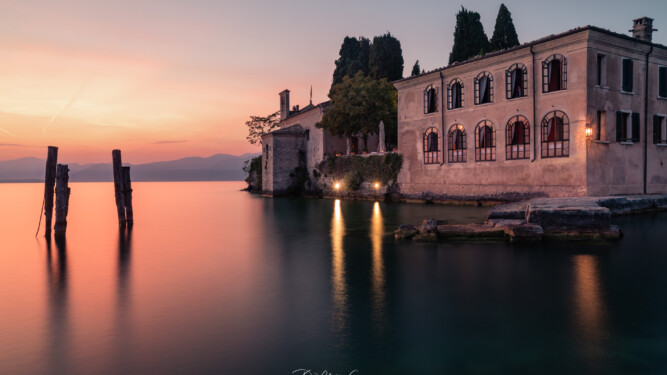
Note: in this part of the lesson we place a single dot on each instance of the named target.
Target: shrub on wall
(374, 168)
(253, 168)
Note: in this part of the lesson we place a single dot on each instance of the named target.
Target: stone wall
(286, 153)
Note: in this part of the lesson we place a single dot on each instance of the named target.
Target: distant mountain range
(219, 167)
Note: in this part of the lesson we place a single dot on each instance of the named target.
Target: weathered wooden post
(62, 200)
(127, 195)
(49, 183)
(118, 186)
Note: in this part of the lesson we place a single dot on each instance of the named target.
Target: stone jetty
(579, 218)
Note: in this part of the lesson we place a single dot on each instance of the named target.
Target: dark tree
(353, 57)
(358, 104)
(260, 125)
(469, 37)
(416, 69)
(504, 34)
(386, 58)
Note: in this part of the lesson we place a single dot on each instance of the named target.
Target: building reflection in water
(56, 269)
(589, 302)
(339, 289)
(378, 277)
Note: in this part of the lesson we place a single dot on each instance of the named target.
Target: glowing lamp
(337, 185)
(376, 185)
(589, 131)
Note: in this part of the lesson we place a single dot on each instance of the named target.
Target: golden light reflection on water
(589, 301)
(378, 277)
(339, 290)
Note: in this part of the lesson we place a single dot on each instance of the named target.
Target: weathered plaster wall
(534, 176)
(614, 167)
(315, 137)
(286, 154)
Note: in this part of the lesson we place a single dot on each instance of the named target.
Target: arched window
(554, 73)
(485, 142)
(430, 99)
(455, 97)
(431, 146)
(516, 81)
(555, 135)
(517, 138)
(457, 144)
(484, 88)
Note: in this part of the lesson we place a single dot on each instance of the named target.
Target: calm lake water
(214, 280)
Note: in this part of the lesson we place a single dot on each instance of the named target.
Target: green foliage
(353, 180)
(416, 69)
(469, 37)
(374, 168)
(386, 58)
(353, 58)
(504, 33)
(253, 168)
(258, 126)
(358, 105)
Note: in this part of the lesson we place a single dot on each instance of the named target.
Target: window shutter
(635, 127)
(662, 81)
(619, 126)
(656, 128)
(627, 75)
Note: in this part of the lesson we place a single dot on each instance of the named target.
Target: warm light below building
(337, 185)
(376, 185)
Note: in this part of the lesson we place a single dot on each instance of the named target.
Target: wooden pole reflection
(339, 289)
(58, 305)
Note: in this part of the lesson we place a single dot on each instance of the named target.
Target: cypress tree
(416, 69)
(353, 57)
(386, 58)
(469, 37)
(504, 33)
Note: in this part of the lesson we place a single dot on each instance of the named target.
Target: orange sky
(164, 79)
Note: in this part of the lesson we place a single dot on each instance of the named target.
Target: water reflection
(56, 269)
(123, 325)
(378, 278)
(339, 289)
(589, 302)
(124, 259)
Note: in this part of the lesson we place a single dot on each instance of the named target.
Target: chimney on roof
(642, 28)
(284, 105)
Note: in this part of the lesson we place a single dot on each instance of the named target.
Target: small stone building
(299, 144)
(574, 114)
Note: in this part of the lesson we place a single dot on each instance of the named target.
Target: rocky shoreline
(567, 219)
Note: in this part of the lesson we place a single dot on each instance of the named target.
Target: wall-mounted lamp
(376, 185)
(589, 130)
(337, 185)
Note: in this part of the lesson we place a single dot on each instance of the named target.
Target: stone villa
(580, 113)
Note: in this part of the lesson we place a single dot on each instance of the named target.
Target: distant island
(219, 167)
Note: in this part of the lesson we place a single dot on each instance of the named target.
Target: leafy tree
(358, 104)
(504, 33)
(258, 126)
(469, 37)
(386, 58)
(416, 69)
(353, 57)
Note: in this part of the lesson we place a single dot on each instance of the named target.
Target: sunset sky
(167, 79)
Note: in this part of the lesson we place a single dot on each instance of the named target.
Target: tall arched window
(517, 138)
(431, 146)
(485, 142)
(516, 81)
(457, 144)
(555, 135)
(484, 88)
(455, 98)
(430, 99)
(554, 73)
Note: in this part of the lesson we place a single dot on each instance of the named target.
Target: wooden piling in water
(49, 184)
(118, 186)
(62, 199)
(127, 195)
